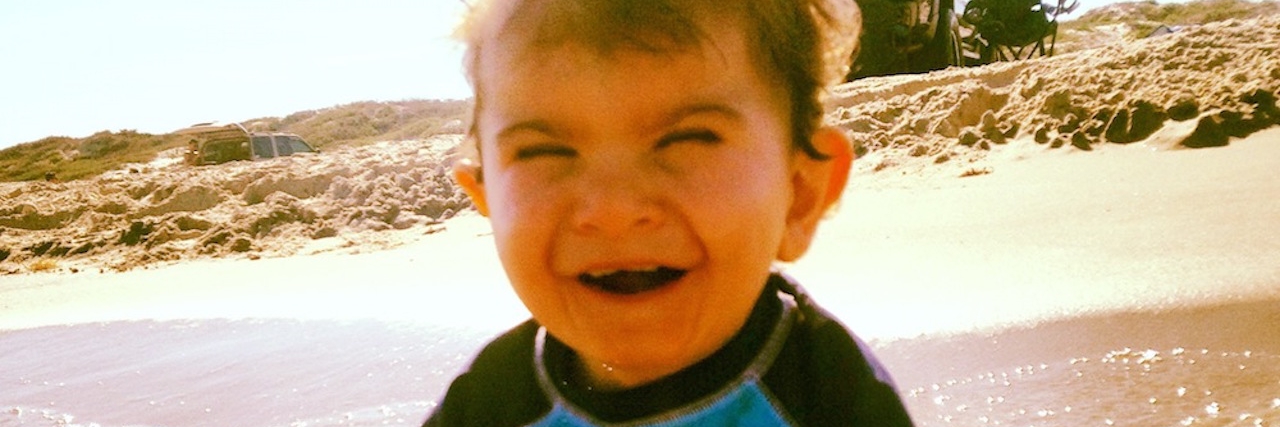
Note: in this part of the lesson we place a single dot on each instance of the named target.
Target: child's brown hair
(808, 44)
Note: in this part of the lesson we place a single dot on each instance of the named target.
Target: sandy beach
(1013, 257)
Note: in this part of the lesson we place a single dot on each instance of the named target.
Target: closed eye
(701, 136)
(544, 150)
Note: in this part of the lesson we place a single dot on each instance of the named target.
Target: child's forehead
(527, 79)
(645, 90)
(605, 26)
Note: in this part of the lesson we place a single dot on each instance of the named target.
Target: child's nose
(614, 203)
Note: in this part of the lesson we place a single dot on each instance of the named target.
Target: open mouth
(629, 282)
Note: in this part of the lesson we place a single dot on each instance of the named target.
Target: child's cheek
(527, 204)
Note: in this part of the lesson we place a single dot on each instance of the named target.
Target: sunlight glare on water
(1123, 387)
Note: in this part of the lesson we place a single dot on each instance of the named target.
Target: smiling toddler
(644, 164)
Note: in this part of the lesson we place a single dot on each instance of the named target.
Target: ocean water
(227, 373)
(1122, 387)
(1207, 365)
(263, 373)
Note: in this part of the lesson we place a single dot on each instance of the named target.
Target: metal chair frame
(1007, 30)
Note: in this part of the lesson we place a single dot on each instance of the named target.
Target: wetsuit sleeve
(823, 377)
(500, 387)
(453, 410)
(870, 398)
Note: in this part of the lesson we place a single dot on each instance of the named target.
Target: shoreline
(1237, 326)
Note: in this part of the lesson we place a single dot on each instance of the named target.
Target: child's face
(637, 200)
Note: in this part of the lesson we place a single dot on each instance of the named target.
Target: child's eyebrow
(537, 125)
(713, 108)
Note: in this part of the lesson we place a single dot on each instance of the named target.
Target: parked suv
(213, 143)
(907, 36)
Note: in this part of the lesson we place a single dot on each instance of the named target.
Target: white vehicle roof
(210, 127)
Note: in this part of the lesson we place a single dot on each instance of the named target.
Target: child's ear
(467, 173)
(816, 186)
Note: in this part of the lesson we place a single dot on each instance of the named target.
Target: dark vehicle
(906, 36)
(213, 143)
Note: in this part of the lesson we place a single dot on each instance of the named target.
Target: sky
(76, 67)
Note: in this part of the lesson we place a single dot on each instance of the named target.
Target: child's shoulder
(826, 375)
(502, 372)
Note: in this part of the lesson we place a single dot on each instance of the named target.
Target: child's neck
(603, 376)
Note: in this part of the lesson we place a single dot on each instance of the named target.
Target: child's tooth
(647, 269)
(600, 273)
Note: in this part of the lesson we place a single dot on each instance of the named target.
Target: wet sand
(218, 372)
(1232, 326)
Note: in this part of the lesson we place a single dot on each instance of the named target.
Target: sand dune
(165, 211)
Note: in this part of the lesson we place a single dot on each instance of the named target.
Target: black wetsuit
(791, 364)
